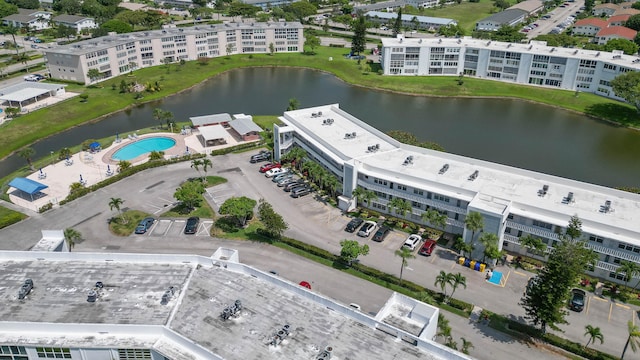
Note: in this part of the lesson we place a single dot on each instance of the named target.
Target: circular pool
(143, 146)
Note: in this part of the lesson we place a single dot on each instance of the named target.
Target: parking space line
(588, 303)
(598, 298)
(453, 265)
(505, 279)
(610, 310)
(520, 273)
(433, 258)
(623, 306)
(168, 227)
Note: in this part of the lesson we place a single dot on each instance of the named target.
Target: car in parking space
(284, 181)
(268, 166)
(277, 178)
(412, 241)
(353, 225)
(367, 228)
(263, 155)
(381, 234)
(577, 300)
(144, 225)
(293, 185)
(300, 192)
(192, 225)
(275, 171)
(427, 248)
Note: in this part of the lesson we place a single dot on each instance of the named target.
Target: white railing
(533, 230)
(412, 197)
(613, 252)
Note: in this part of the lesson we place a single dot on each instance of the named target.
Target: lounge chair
(109, 173)
(130, 137)
(68, 162)
(135, 136)
(42, 175)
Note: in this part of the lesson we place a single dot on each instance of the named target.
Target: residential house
(618, 20)
(243, 126)
(509, 17)
(422, 22)
(629, 12)
(532, 7)
(605, 9)
(589, 26)
(79, 23)
(28, 19)
(388, 6)
(614, 32)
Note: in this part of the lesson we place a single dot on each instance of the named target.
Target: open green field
(103, 99)
(467, 14)
(8, 217)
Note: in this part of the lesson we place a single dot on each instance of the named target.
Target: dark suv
(145, 225)
(381, 234)
(263, 155)
(192, 225)
(577, 300)
(353, 225)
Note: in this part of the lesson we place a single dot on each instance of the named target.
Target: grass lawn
(204, 211)
(103, 99)
(467, 14)
(133, 217)
(8, 217)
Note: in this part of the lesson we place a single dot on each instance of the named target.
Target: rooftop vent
(420, 41)
(164, 31)
(439, 41)
(636, 61)
(231, 310)
(197, 28)
(443, 169)
(575, 52)
(25, 289)
(325, 354)
(408, 160)
(373, 148)
(166, 297)
(552, 50)
(568, 199)
(509, 45)
(92, 296)
(327, 121)
(488, 43)
(606, 208)
(279, 335)
(318, 114)
(350, 135)
(543, 191)
(598, 54)
(181, 29)
(459, 41)
(617, 56)
(530, 47)
(474, 175)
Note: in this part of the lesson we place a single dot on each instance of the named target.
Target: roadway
(314, 222)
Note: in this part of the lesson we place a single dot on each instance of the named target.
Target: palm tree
(466, 345)
(490, 243)
(443, 279)
(206, 163)
(72, 236)
(363, 195)
(629, 269)
(474, 222)
(332, 184)
(123, 165)
(27, 154)
(115, 203)
(75, 186)
(457, 280)
(533, 244)
(594, 334)
(400, 206)
(195, 164)
(434, 218)
(158, 115)
(633, 339)
(459, 245)
(295, 155)
(12, 30)
(405, 253)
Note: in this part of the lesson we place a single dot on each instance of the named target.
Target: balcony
(412, 197)
(607, 266)
(613, 252)
(533, 230)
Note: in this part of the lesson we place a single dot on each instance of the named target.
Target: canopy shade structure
(244, 126)
(94, 145)
(199, 121)
(213, 135)
(27, 186)
(29, 91)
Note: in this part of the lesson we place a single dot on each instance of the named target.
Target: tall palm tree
(457, 280)
(12, 30)
(158, 115)
(195, 164)
(473, 222)
(295, 155)
(115, 203)
(206, 163)
(633, 340)
(27, 154)
(490, 243)
(363, 195)
(72, 236)
(533, 244)
(459, 245)
(442, 280)
(400, 206)
(434, 218)
(466, 345)
(404, 253)
(594, 334)
(332, 184)
(629, 269)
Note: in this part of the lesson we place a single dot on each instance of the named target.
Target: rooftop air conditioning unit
(444, 169)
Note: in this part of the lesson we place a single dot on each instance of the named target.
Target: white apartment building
(513, 202)
(534, 63)
(107, 306)
(78, 23)
(113, 55)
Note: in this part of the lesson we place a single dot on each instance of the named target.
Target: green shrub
(45, 207)
(336, 45)
(245, 146)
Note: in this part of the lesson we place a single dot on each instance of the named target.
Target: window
(401, 187)
(440, 198)
(596, 239)
(134, 354)
(610, 67)
(417, 192)
(542, 224)
(53, 353)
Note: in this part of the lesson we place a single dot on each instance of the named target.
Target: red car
(268, 166)
(427, 248)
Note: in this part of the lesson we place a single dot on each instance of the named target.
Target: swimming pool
(143, 146)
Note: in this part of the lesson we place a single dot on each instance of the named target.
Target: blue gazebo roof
(27, 185)
(94, 145)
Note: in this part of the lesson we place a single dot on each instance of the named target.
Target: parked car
(30, 78)
(281, 176)
(427, 248)
(145, 225)
(292, 185)
(367, 228)
(300, 192)
(263, 155)
(192, 225)
(275, 171)
(285, 181)
(268, 166)
(382, 233)
(577, 300)
(412, 241)
(353, 225)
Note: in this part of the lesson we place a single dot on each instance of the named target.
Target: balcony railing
(613, 252)
(533, 230)
(412, 197)
(607, 266)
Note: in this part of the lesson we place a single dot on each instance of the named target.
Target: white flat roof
(494, 181)
(210, 119)
(27, 90)
(213, 132)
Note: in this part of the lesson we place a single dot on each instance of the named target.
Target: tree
(156, 155)
(7, 9)
(117, 26)
(301, 9)
(238, 8)
(633, 22)
(272, 49)
(508, 33)
(273, 222)
(627, 86)
(72, 236)
(533, 244)
(66, 6)
(473, 222)
(461, 246)
(629, 269)
(93, 74)
(123, 165)
(206, 163)
(115, 203)
(455, 281)
(501, 4)
(490, 243)
(312, 41)
(434, 218)
(190, 194)
(451, 30)
(594, 334)
(295, 156)
(351, 249)
(294, 104)
(627, 46)
(399, 205)
(466, 345)
(84, 97)
(195, 164)
(358, 42)
(158, 115)
(12, 30)
(27, 154)
(63, 31)
(241, 208)
(545, 300)
(442, 280)
(404, 253)
(363, 195)
(633, 340)
(397, 24)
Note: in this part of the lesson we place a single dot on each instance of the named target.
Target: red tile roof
(619, 18)
(620, 31)
(597, 22)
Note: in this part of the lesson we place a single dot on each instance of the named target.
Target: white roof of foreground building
(128, 311)
(495, 185)
(27, 90)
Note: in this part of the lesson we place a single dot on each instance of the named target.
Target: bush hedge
(245, 146)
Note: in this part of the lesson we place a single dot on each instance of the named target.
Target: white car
(367, 228)
(276, 171)
(412, 241)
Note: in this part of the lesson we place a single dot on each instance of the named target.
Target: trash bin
(472, 264)
(466, 263)
(461, 260)
(482, 267)
(477, 267)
